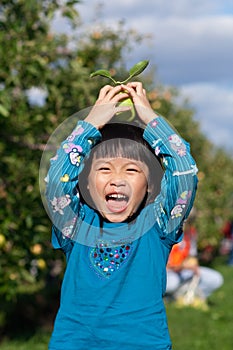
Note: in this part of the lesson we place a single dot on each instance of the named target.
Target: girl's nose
(117, 181)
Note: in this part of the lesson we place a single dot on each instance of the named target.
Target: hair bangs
(122, 147)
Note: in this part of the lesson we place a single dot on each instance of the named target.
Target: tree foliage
(33, 58)
(214, 200)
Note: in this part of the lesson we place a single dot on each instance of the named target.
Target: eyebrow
(138, 163)
(109, 160)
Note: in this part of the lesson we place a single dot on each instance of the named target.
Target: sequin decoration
(106, 260)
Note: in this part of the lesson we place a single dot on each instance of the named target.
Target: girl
(116, 224)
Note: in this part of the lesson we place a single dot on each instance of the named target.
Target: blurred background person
(227, 242)
(183, 269)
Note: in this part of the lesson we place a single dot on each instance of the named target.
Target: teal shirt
(112, 291)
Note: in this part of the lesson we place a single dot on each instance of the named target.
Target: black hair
(116, 142)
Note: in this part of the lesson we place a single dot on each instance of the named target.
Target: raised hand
(140, 101)
(106, 105)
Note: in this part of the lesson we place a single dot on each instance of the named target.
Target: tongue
(116, 206)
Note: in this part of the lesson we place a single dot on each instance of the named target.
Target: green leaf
(104, 73)
(138, 68)
(3, 111)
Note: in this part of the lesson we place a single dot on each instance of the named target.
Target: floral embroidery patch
(154, 123)
(180, 204)
(177, 145)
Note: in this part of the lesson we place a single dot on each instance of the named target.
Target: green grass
(204, 330)
(39, 341)
(190, 328)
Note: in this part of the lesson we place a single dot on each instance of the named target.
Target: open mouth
(116, 202)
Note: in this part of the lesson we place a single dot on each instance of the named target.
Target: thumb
(120, 109)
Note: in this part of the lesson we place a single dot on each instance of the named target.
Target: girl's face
(117, 186)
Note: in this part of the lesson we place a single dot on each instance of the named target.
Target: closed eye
(103, 168)
(133, 170)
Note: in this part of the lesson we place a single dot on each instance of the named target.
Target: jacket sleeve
(179, 182)
(63, 201)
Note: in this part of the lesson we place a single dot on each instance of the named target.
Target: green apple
(126, 115)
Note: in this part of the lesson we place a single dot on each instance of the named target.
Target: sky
(191, 46)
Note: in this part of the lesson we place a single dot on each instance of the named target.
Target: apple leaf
(104, 73)
(138, 68)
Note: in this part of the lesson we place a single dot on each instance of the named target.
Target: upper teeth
(117, 196)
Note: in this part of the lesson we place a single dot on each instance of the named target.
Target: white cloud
(214, 110)
(195, 49)
(192, 47)
(192, 40)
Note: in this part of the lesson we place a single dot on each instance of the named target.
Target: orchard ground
(190, 328)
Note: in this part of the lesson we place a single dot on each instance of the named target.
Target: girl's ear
(149, 189)
(150, 193)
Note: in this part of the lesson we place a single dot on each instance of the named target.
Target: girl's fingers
(137, 86)
(120, 96)
(122, 109)
(105, 90)
(108, 93)
(130, 90)
(112, 94)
